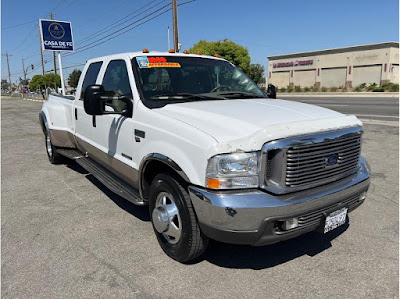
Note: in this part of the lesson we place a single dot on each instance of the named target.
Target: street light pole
(41, 54)
(54, 54)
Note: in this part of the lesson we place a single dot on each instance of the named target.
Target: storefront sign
(293, 63)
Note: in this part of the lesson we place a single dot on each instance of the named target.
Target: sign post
(56, 36)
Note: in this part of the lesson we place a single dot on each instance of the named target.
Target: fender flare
(163, 159)
(43, 121)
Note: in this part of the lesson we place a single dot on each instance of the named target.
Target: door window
(116, 83)
(91, 76)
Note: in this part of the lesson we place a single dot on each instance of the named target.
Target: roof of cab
(150, 53)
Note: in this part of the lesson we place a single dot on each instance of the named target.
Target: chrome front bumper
(250, 216)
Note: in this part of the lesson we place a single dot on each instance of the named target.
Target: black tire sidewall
(181, 250)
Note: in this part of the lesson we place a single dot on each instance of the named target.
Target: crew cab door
(114, 133)
(83, 121)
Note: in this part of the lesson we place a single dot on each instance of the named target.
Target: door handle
(76, 114)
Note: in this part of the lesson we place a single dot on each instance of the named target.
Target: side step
(107, 178)
(72, 154)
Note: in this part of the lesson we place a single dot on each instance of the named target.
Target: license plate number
(335, 219)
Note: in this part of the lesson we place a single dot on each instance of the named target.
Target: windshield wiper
(239, 95)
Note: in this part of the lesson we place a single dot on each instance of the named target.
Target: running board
(72, 154)
(107, 178)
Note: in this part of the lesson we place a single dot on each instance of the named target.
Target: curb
(33, 100)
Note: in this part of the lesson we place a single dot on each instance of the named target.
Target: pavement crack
(111, 267)
(73, 190)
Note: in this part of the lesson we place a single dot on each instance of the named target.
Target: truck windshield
(170, 79)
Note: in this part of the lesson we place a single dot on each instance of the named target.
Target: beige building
(341, 67)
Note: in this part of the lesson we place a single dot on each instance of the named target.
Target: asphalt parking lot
(66, 236)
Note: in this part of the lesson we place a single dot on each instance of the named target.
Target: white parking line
(377, 115)
(334, 105)
(380, 122)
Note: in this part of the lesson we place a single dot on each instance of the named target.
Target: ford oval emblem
(332, 160)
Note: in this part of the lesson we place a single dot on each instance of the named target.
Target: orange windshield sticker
(164, 64)
(148, 62)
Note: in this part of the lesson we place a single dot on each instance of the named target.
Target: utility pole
(54, 54)
(175, 25)
(23, 69)
(8, 66)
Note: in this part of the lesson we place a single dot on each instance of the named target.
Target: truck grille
(315, 163)
(307, 161)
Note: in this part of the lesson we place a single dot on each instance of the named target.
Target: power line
(119, 22)
(95, 43)
(57, 5)
(25, 39)
(21, 24)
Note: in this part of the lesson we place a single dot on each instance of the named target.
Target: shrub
(324, 89)
(358, 88)
(290, 89)
(391, 87)
(297, 88)
(314, 88)
(283, 89)
(334, 89)
(306, 89)
(372, 86)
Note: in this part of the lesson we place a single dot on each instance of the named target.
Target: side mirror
(95, 101)
(92, 100)
(271, 91)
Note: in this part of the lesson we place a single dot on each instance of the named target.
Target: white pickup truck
(192, 137)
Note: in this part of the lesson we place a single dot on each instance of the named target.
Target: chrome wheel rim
(48, 145)
(166, 218)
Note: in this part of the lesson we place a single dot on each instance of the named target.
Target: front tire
(52, 154)
(174, 221)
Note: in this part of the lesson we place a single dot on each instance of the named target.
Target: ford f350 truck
(192, 137)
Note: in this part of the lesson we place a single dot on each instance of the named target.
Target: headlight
(228, 171)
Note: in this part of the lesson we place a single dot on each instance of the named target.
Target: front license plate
(335, 219)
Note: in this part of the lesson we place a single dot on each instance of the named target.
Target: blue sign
(56, 35)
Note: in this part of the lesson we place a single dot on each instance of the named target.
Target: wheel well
(151, 169)
(42, 124)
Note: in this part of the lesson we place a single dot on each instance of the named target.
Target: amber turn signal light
(213, 183)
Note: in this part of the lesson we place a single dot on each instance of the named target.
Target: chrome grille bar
(302, 162)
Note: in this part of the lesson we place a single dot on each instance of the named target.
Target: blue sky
(263, 27)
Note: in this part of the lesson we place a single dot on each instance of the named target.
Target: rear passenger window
(91, 76)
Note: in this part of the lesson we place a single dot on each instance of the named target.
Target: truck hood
(226, 120)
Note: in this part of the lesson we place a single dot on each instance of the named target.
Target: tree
(52, 80)
(227, 49)
(37, 82)
(73, 78)
(256, 73)
(42, 82)
(4, 84)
